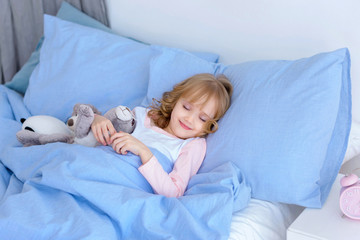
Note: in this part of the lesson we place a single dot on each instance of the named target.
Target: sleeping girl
(176, 126)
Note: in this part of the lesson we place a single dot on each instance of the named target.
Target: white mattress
(263, 220)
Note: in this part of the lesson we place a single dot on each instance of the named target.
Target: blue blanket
(65, 191)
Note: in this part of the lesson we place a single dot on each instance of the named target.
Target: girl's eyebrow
(184, 101)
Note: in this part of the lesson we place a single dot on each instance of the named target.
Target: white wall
(243, 30)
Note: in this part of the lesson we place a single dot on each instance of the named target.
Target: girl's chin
(180, 134)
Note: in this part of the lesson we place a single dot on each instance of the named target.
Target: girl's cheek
(200, 126)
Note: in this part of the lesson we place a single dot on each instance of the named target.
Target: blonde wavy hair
(196, 89)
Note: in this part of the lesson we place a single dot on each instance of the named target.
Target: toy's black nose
(22, 120)
(70, 122)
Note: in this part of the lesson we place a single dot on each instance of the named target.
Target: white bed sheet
(263, 220)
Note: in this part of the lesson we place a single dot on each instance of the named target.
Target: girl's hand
(123, 142)
(102, 129)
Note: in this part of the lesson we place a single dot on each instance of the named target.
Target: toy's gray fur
(80, 124)
(116, 119)
(85, 116)
(29, 138)
(78, 105)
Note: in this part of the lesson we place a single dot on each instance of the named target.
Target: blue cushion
(67, 12)
(287, 128)
(82, 64)
(288, 124)
(171, 66)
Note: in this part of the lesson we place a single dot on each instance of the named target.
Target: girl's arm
(123, 142)
(174, 184)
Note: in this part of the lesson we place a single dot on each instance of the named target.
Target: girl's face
(188, 119)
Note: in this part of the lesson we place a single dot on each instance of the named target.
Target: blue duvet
(64, 191)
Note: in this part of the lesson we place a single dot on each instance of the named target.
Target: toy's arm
(57, 137)
(111, 114)
(85, 118)
(29, 138)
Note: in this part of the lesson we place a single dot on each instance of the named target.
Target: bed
(277, 151)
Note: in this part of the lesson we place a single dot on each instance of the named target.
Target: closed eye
(186, 107)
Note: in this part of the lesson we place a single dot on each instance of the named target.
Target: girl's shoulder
(196, 148)
(140, 112)
(196, 143)
(140, 108)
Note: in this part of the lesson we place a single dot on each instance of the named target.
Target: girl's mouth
(184, 126)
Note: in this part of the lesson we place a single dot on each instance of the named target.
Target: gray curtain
(21, 27)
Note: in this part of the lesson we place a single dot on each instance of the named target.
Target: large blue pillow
(287, 127)
(67, 12)
(79, 64)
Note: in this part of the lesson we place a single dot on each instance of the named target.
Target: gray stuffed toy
(38, 130)
(83, 115)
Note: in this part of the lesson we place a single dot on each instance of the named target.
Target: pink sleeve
(186, 166)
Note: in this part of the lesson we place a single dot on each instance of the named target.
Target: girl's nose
(189, 118)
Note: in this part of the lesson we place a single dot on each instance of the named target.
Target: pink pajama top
(187, 156)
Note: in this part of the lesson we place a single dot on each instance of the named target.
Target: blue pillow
(67, 12)
(288, 125)
(82, 64)
(170, 66)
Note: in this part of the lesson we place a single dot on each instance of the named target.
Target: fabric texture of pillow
(288, 125)
(67, 12)
(86, 65)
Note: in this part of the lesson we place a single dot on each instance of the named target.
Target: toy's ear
(77, 106)
(22, 120)
(76, 109)
(95, 110)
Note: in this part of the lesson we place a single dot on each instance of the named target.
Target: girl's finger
(117, 145)
(123, 150)
(116, 135)
(105, 133)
